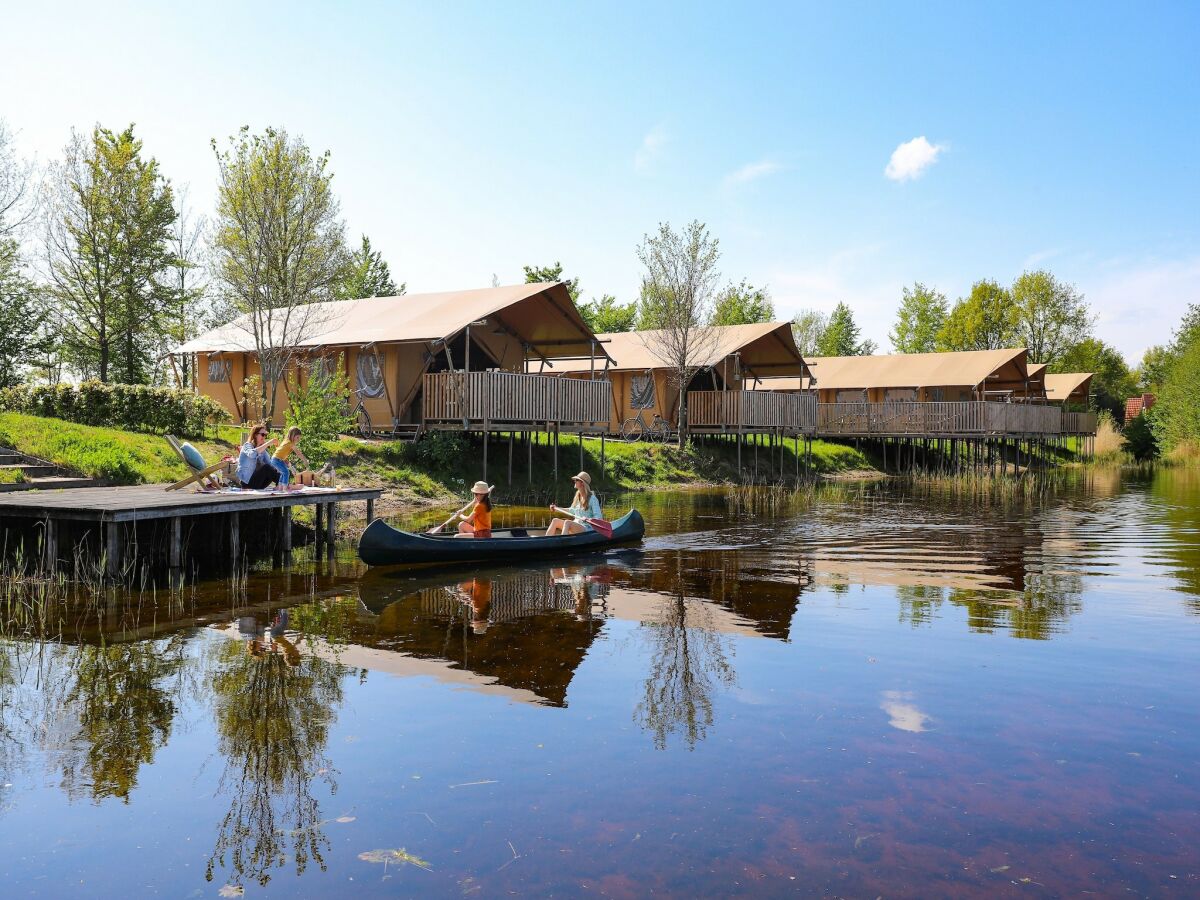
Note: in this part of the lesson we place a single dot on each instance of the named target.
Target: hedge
(130, 407)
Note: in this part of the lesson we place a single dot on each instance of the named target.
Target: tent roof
(541, 315)
(966, 368)
(1071, 385)
(766, 348)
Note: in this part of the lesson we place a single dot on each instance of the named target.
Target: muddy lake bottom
(887, 690)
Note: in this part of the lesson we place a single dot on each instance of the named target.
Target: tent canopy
(541, 316)
(968, 368)
(766, 348)
(1068, 386)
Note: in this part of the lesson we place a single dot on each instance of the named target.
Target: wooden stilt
(511, 439)
(175, 551)
(319, 527)
(287, 525)
(50, 545)
(485, 450)
(235, 543)
(602, 460)
(371, 510)
(330, 528)
(112, 549)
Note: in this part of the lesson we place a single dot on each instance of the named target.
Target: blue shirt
(591, 511)
(249, 459)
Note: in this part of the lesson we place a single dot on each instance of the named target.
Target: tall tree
(1051, 316)
(677, 288)
(368, 275)
(986, 319)
(280, 247)
(1112, 382)
(16, 186)
(543, 274)
(1152, 370)
(606, 315)
(107, 243)
(808, 327)
(841, 336)
(920, 319)
(743, 304)
(23, 337)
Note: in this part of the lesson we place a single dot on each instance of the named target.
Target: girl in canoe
(479, 522)
(584, 506)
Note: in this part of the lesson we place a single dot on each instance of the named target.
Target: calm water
(895, 692)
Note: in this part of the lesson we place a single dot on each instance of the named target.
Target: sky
(838, 151)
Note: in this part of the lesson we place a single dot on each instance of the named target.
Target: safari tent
(733, 358)
(966, 375)
(1072, 389)
(406, 356)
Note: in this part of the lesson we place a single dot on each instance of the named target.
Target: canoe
(383, 545)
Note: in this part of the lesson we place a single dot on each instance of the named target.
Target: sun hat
(481, 487)
(584, 477)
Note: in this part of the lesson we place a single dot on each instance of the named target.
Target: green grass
(11, 476)
(119, 457)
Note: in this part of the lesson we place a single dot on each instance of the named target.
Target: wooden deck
(735, 411)
(972, 418)
(504, 401)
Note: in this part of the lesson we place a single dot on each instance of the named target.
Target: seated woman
(584, 506)
(254, 469)
(280, 460)
(479, 522)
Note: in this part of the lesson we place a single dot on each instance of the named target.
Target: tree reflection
(689, 661)
(125, 699)
(273, 714)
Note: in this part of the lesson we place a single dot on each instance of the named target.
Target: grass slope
(119, 457)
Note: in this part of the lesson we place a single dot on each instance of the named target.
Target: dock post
(112, 548)
(331, 528)
(175, 551)
(485, 450)
(371, 509)
(320, 526)
(50, 545)
(287, 529)
(235, 545)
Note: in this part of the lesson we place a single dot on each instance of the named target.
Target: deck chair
(205, 474)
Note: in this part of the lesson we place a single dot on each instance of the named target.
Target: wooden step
(52, 483)
(30, 470)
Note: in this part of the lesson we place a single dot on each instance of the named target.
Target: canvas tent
(737, 356)
(1071, 387)
(388, 344)
(966, 375)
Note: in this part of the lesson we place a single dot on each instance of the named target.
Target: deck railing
(1078, 423)
(917, 418)
(510, 398)
(752, 409)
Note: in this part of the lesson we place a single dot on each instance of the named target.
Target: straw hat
(481, 487)
(584, 477)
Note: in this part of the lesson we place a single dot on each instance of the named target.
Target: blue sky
(471, 139)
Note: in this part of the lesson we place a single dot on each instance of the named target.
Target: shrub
(1139, 438)
(320, 408)
(131, 407)
(440, 451)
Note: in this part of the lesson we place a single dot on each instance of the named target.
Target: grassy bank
(436, 467)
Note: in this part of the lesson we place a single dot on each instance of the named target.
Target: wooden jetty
(127, 526)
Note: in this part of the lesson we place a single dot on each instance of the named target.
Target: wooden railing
(499, 398)
(1078, 423)
(909, 417)
(752, 409)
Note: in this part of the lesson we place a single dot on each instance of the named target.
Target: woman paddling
(479, 522)
(584, 506)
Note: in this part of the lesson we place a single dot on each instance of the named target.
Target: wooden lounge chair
(206, 474)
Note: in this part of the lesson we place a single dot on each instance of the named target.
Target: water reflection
(273, 707)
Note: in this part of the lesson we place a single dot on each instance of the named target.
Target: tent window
(320, 371)
(851, 396)
(900, 394)
(641, 391)
(937, 395)
(370, 376)
(220, 370)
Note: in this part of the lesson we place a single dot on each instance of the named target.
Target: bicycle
(362, 418)
(634, 428)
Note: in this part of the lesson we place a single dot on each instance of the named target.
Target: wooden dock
(144, 523)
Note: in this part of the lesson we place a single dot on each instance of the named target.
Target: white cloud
(752, 172)
(912, 158)
(651, 149)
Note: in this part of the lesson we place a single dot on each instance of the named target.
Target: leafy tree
(16, 186)
(808, 327)
(1139, 437)
(919, 321)
(320, 406)
(279, 246)
(108, 236)
(188, 305)
(606, 315)
(841, 336)
(541, 274)
(22, 333)
(1112, 381)
(368, 275)
(677, 292)
(743, 304)
(984, 320)
(1152, 371)
(1176, 416)
(1051, 316)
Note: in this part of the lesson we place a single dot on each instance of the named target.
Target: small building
(459, 359)
(717, 398)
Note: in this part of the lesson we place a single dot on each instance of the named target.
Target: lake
(879, 690)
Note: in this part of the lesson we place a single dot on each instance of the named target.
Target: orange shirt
(481, 518)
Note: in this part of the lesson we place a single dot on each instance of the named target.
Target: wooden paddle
(470, 503)
(601, 526)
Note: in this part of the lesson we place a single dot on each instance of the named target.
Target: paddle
(456, 515)
(601, 526)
